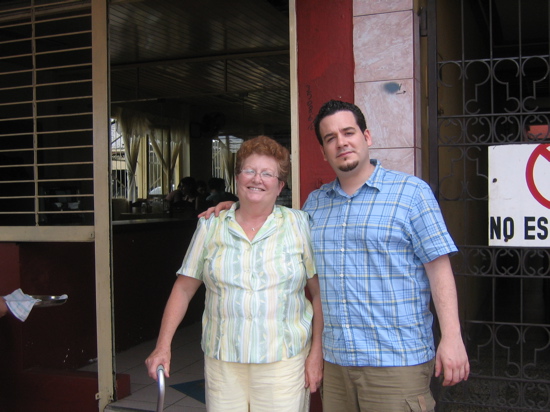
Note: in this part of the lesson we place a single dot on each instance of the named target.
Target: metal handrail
(160, 400)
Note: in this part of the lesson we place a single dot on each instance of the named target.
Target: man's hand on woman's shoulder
(216, 209)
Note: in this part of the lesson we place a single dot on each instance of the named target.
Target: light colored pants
(256, 387)
(374, 389)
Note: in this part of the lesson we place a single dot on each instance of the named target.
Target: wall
(387, 80)
(367, 53)
(325, 71)
(53, 339)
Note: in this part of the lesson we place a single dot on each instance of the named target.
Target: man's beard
(349, 167)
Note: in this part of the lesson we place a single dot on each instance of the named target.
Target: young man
(381, 246)
(381, 249)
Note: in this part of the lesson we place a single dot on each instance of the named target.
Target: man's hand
(216, 209)
(451, 358)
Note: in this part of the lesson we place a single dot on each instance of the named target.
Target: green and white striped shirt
(256, 310)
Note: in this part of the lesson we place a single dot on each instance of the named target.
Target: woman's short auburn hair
(265, 146)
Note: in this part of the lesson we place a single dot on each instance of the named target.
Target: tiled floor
(186, 365)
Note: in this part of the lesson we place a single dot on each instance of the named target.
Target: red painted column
(325, 71)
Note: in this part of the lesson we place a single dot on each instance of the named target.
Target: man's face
(345, 147)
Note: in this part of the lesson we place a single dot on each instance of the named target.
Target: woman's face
(255, 188)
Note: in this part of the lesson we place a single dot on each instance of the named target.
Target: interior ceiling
(227, 60)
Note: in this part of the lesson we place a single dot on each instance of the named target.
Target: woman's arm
(183, 290)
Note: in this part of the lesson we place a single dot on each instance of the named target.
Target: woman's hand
(314, 361)
(314, 370)
(156, 358)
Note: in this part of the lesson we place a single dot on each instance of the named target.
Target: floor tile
(187, 365)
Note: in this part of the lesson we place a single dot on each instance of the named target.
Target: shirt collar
(230, 215)
(375, 180)
(269, 227)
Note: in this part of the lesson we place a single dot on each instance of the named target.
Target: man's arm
(216, 209)
(451, 357)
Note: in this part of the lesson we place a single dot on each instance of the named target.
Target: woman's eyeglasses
(263, 175)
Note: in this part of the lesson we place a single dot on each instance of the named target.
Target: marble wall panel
(389, 110)
(402, 160)
(361, 7)
(384, 46)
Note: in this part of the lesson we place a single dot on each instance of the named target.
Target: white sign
(519, 195)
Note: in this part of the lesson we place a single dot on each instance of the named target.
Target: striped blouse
(256, 310)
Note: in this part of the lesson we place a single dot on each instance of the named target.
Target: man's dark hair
(334, 106)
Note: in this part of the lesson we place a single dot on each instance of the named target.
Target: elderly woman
(261, 336)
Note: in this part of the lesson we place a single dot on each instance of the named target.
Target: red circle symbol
(540, 151)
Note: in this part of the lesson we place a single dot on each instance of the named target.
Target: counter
(146, 255)
(133, 216)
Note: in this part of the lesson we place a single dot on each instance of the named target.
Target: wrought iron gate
(489, 65)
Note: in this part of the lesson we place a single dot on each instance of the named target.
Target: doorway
(221, 71)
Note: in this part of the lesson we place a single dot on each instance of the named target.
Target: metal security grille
(46, 157)
(489, 85)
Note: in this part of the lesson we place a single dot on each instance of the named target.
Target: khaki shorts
(254, 387)
(373, 389)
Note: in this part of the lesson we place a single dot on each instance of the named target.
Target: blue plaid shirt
(369, 251)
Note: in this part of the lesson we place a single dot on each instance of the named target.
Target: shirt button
(344, 301)
(341, 275)
(343, 224)
(342, 250)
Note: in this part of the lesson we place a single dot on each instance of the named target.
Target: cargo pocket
(421, 403)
